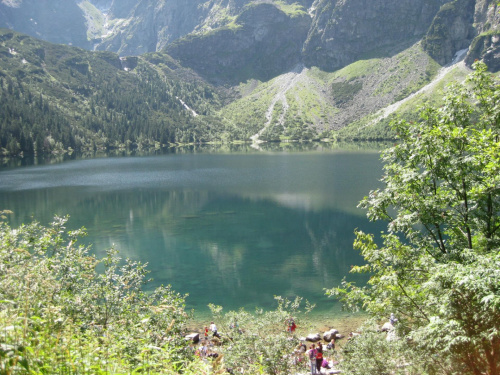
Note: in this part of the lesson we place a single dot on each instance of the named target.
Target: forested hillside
(55, 97)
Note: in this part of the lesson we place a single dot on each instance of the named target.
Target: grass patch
(292, 10)
(95, 20)
(345, 91)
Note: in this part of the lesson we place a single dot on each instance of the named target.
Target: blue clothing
(313, 366)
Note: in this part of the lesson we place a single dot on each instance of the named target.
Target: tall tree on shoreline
(438, 266)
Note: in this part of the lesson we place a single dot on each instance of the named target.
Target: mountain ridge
(269, 69)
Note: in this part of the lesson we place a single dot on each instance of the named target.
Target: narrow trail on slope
(285, 83)
(385, 112)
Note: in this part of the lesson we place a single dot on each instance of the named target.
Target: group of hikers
(317, 360)
(315, 357)
(213, 328)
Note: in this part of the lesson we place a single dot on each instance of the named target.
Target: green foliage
(438, 266)
(345, 91)
(55, 98)
(58, 314)
(258, 343)
(63, 310)
(372, 353)
(292, 10)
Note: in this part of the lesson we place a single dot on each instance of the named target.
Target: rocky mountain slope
(280, 69)
(339, 32)
(344, 31)
(58, 21)
(262, 42)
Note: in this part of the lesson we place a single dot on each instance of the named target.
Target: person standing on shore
(291, 325)
(319, 357)
(393, 320)
(312, 359)
(213, 328)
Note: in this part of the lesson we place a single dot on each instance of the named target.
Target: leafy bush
(63, 310)
(373, 353)
(59, 315)
(438, 266)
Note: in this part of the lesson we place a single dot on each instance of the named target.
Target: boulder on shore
(330, 335)
(313, 337)
(194, 337)
(387, 327)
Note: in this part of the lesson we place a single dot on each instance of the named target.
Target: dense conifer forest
(55, 98)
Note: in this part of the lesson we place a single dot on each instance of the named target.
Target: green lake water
(234, 229)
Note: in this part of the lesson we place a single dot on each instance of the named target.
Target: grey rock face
(121, 8)
(262, 43)
(451, 30)
(242, 39)
(57, 21)
(486, 16)
(486, 45)
(152, 24)
(344, 30)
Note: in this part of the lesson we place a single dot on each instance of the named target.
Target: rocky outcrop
(486, 16)
(57, 21)
(486, 45)
(451, 30)
(262, 43)
(345, 30)
(119, 8)
(263, 38)
(150, 24)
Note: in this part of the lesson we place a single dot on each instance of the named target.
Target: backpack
(312, 353)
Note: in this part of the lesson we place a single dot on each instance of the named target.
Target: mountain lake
(230, 228)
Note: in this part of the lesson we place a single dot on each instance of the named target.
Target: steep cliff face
(486, 45)
(222, 32)
(103, 4)
(149, 25)
(57, 21)
(451, 30)
(344, 30)
(262, 42)
(120, 8)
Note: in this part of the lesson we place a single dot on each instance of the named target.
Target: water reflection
(28, 160)
(229, 229)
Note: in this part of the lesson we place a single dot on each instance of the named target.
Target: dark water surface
(233, 229)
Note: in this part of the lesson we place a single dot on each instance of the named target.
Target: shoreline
(345, 323)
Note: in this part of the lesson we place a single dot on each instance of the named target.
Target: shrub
(58, 314)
